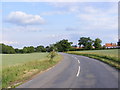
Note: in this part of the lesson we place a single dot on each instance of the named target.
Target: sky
(44, 23)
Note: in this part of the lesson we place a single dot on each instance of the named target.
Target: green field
(17, 59)
(111, 53)
(17, 68)
(109, 56)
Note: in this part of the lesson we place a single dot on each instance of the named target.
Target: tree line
(30, 49)
(61, 46)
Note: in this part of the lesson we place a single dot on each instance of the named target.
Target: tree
(40, 49)
(17, 50)
(63, 45)
(0, 48)
(21, 51)
(47, 48)
(30, 49)
(103, 47)
(51, 55)
(51, 48)
(86, 42)
(7, 49)
(97, 43)
(25, 50)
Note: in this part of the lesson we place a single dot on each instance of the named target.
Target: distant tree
(20, 50)
(17, 50)
(86, 42)
(7, 49)
(0, 48)
(40, 49)
(103, 47)
(51, 48)
(47, 48)
(30, 49)
(89, 46)
(25, 50)
(97, 43)
(63, 45)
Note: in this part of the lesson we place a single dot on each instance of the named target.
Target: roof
(110, 44)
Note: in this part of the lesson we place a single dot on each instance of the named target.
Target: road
(76, 71)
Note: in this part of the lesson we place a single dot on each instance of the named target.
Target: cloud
(53, 12)
(71, 29)
(24, 29)
(98, 19)
(89, 16)
(22, 18)
(9, 42)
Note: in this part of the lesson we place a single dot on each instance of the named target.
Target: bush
(51, 55)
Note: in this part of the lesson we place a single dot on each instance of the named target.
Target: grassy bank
(13, 75)
(108, 56)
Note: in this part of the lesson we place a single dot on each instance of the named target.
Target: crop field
(17, 68)
(17, 59)
(108, 56)
(111, 53)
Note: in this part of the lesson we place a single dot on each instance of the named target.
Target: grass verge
(14, 75)
(112, 61)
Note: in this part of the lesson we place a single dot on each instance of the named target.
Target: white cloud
(94, 18)
(63, 8)
(9, 42)
(53, 12)
(89, 16)
(21, 18)
(24, 29)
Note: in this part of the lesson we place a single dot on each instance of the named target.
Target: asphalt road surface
(76, 71)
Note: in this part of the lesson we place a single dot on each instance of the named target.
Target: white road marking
(75, 58)
(78, 61)
(78, 71)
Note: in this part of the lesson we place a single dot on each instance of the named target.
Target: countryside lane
(76, 71)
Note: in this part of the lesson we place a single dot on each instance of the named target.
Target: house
(111, 45)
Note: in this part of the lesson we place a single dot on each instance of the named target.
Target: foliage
(86, 42)
(25, 50)
(63, 45)
(51, 48)
(97, 43)
(47, 48)
(40, 49)
(52, 55)
(7, 49)
(30, 49)
(17, 50)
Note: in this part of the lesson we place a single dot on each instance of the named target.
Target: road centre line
(78, 61)
(78, 72)
(75, 58)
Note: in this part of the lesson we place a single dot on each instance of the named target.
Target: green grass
(17, 59)
(108, 56)
(111, 52)
(26, 67)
